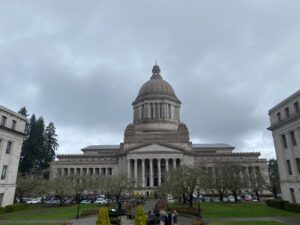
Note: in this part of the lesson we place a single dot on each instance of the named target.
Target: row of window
(8, 146)
(287, 111)
(289, 167)
(84, 171)
(4, 171)
(292, 137)
(4, 121)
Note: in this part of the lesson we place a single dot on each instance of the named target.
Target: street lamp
(199, 209)
(78, 203)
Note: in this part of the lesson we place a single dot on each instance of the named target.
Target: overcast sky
(80, 64)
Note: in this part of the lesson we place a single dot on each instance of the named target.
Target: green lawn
(37, 212)
(248, 223)
(31, 224)
(239, 210)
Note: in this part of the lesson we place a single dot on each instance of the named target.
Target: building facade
(11, 138)
(285, 127)
(156, 142)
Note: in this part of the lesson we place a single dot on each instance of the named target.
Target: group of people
(165, 218)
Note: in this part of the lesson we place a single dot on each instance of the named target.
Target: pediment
(156, 148)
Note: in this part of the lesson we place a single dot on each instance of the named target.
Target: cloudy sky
(80, 64)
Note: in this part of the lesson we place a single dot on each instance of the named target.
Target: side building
(11, 138)
(285, 127)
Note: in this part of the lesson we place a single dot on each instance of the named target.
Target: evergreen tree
(50, 145)
(39, 145)
(27, 153)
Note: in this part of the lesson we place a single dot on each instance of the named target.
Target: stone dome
(156, 86)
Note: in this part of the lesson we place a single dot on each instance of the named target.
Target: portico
(150, 172)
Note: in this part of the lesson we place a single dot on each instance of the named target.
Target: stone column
(159, 172)
(167, 165)
(143, 172)
(151, 172)
(128, 168)
(135, 172)
(174, 163)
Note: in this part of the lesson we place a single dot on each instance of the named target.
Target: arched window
(143, 112)
(169, 109)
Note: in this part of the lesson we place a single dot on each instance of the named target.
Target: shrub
(2, 210)
(140, 218)
(191, 211)
(66, 223)
(293, 207)
(103, 218)
(199, 222)
(279, 204)
(15, 208)
(89, 212)
(115, 221)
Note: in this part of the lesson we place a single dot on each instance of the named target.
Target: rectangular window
(3, 174)
(287, 112)
(8, 147)
(13, 124)
(1, 198)
(288, 163)
(293, 138)
(284, 143)
(278, 116)
(293, 195)
(3, 121)
(296, 106)
(298, 164)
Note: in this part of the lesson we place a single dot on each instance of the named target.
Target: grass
(239, 210)
(209, 210)
(31, 224)
(37, 212)
(247, 223)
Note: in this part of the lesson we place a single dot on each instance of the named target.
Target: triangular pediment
(156, 148)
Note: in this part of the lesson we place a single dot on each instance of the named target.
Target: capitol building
(156, 142)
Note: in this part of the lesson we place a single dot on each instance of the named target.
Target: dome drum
(156, 106)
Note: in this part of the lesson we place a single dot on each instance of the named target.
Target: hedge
(276, 203)
(2, 210)
(293, 207)
(89, 212)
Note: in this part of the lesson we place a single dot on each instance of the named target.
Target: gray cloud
(81, 65)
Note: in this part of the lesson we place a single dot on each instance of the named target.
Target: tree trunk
(183, 198)
(235, 194)
(275, 192)
(221, 196)
(191, 200)
(257, 195)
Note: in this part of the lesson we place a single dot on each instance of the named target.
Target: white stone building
(285, 127)
(11, 138)
(156, 142)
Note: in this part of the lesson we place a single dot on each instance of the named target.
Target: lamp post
(78, 203)
(199, 209)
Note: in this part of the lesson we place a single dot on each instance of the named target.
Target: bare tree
(25, 186)
(257, 183)
(61, 187)
(184, 181)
